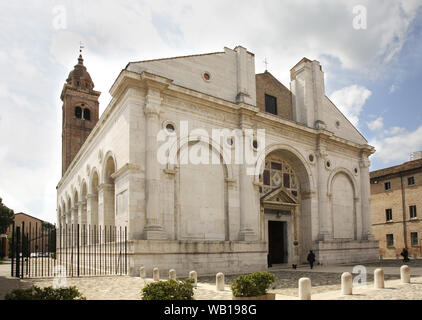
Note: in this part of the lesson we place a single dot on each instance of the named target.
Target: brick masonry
(267, 84)
(74, 130)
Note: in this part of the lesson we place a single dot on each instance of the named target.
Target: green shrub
(36, 293)
(252, 285)
(169, 290)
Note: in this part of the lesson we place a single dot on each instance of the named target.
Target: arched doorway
(285, 207)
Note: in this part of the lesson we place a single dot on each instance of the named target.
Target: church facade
(212, 167)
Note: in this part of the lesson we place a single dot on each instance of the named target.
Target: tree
(6, 217)
(50, 235)
(47, 226)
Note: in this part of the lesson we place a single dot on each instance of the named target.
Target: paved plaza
(325, 284)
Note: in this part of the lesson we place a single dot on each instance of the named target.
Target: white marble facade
(216, 217)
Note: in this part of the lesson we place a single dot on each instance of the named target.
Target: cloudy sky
(373, 67)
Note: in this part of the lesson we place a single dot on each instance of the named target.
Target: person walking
(405, 255)
(311, 259)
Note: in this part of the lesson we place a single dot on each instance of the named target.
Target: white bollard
(219, 281)
(304, 289)
(156, 274)
(193, 275)
(405, 274)
(142, 272)
(379, 279)
(172, 274)
(346, 283)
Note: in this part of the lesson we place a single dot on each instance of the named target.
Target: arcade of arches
(93, 203)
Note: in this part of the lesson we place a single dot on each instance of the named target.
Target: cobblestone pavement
(287, 281)
(394, 290)
(7, 284)
(124, 288)
(408, 292)
(325, 285)
(415, 263)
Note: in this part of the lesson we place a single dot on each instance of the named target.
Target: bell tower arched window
(78, 112)
(87, 114)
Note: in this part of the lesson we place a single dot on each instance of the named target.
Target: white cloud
(350, 100)
(394, 131)
(376, 124)
(393, 88)
(399, 146)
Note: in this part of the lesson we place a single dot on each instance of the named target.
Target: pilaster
(365, 197)
(153, 228)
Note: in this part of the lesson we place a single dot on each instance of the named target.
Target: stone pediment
(279, 196)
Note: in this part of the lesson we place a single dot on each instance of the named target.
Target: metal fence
(71, 251)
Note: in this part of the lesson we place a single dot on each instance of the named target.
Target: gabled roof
(29, 216)
(273, 78)
(280, 196)
(178, 57)
(347, 119)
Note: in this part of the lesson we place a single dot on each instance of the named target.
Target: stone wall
(204, 257)
(339, 252)
(231, 73)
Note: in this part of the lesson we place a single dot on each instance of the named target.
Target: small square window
(411, 181)
(387, 185)
(414, 239)
(412, 211)
(390, 240)
(388, 215)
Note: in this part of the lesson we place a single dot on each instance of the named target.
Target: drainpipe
(403, 199)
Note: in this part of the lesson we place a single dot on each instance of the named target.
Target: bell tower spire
(80, 111)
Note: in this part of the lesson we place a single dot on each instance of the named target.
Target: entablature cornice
(126, 169)
(253, 117)
(69, 90)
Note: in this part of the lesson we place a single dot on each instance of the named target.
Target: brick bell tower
(80, 111)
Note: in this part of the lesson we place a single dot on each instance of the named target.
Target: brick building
(396, 203)
(33, 229)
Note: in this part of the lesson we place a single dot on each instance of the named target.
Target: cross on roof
(266, 63)
(81, 46)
